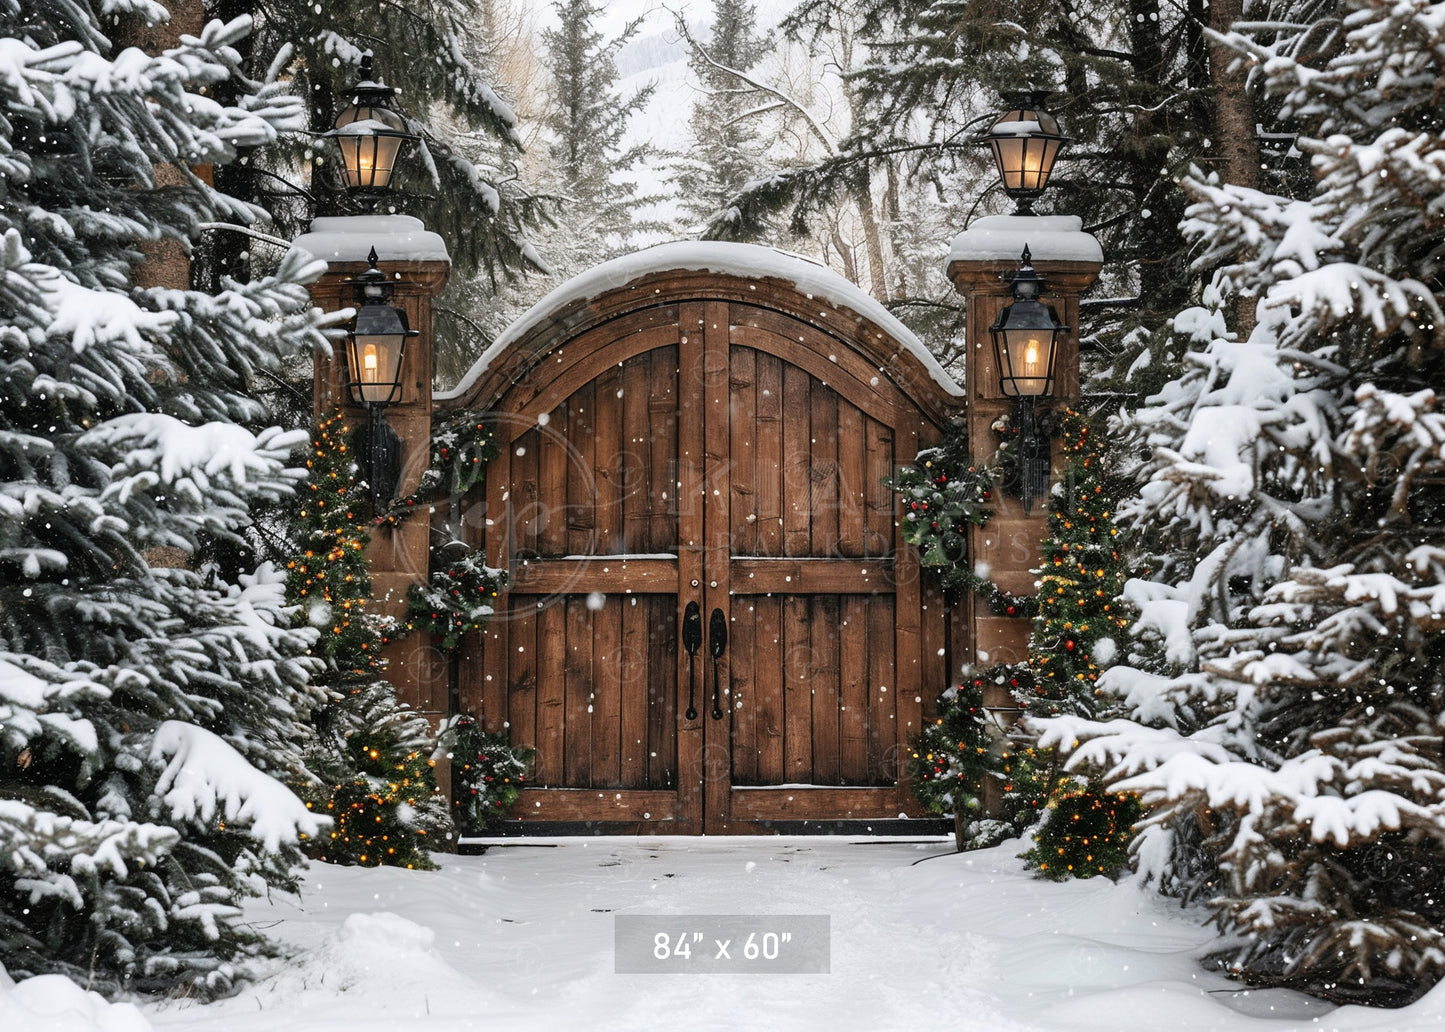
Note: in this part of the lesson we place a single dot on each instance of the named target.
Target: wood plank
(662, 415)
(882, 689)
(525, 501)
(767, 701)
(853, 690)
(717, 365)
(521, 679)
(581, 475)
(933, 637)
(552, 484)
(824, 358)
(581, 804)
(577, 673)
(550, 740)
(812, 576)
(744, 648)
(825, 679)
(582, 360)
(823, 471)
(852, 486)
(797, 459)
(813, 803)
(768, 477)
(797, 643)
(601, 573)
(607, 691)
(663, 647)
(881, 502)
(607, 460)
(636, 455)
(907, 619)
(635, 687)
(742, 462)
(689, 379)
(500, 547)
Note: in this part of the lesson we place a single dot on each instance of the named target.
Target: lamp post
(375, 348)
(370, 136)
(1025, 343)
(1025, 141)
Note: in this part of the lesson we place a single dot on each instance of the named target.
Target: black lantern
(375, 349)
(370, 135)
(1025, 344)
(1025, 141)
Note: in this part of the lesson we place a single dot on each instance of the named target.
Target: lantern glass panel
(1030, 352)
(370, 139)
(1025, 143)
(376, 364)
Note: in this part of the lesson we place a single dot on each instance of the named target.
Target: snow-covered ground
(522, 938)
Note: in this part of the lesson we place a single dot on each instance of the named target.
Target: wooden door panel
(600, 710)
(808, 468)
(813, 690)
(597, 477)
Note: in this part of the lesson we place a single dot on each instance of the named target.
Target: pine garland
(945, 492)
(458, 600)
(461, 446)
(488, 774)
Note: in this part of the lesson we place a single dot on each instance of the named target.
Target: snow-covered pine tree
(587, 122)
(147, 713)
(726, 150)
(1281, 709)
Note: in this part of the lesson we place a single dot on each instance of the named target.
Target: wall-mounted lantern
(1026, 343)
(1025, 141)
(375, 348)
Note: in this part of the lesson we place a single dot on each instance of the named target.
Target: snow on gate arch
(711, 625)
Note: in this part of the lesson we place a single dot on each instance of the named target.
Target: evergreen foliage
(587, 120)
(430, 51)
(1082, 577)
(487, 774)
(373, 757)
(1086, 833)
(952, 756)
(1285, 680)
(457, 599)
(148, 713)
(727, 148)
(944, 493)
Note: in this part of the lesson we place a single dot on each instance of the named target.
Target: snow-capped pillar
(417, 264)
(980, 262)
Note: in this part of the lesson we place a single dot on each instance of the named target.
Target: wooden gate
(708, 450)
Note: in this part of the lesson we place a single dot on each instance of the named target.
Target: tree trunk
(1235, 141)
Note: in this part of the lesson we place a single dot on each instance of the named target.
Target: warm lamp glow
(1025, 141)
(370, 134)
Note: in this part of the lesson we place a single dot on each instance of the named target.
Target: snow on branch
(206, 780)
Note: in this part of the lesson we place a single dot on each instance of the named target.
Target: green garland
(945, 492)
(952, 756)
(488, 774)
(457, 600)
(461, 446)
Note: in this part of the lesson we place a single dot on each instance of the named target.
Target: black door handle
(717, 641)
(692, 641)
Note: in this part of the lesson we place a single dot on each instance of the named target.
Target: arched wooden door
(728, 456)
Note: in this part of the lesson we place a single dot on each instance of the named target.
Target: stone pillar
(417, 264)
(979, 263)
